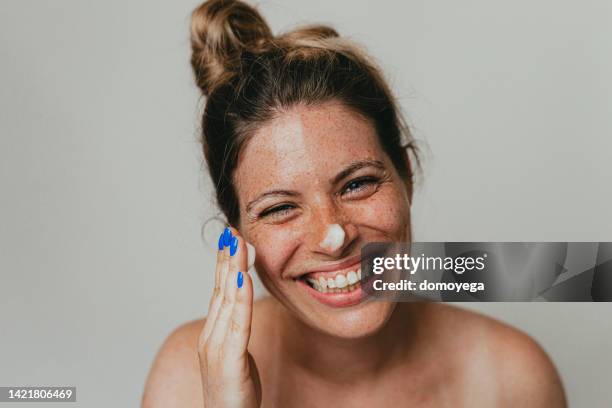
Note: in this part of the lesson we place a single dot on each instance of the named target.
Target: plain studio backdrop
(103, 194)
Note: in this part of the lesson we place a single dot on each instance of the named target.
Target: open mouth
(336, 282)
(339, 285)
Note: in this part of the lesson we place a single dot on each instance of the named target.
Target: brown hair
(248, 76)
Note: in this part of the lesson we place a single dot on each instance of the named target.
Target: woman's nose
(334, 238)
(333, 232)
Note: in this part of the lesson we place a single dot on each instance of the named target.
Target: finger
(220, 264)
(225, 312)
(240, 325)
(238, 252)
(220, 247)
(215, 300)
(242, 296)
(227, 237)
(233, 255)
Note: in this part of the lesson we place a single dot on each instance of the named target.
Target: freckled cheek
(386, 211)
(274, 245)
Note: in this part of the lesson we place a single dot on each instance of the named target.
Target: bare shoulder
(174, 379)
(511, 362)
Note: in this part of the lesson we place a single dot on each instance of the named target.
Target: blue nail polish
(233, 246)
(221, 246)
(227, 236)
(240, 280)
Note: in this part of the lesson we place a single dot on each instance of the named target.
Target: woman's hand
(229, 374)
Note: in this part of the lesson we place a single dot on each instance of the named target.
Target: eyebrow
(347, 171)
(353, 167)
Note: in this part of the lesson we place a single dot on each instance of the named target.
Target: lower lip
(346, 299)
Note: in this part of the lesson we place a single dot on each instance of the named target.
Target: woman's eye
(360, 185)
(279, 210)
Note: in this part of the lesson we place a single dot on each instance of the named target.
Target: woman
(307, 150)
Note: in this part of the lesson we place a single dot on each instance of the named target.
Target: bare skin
(291, 350)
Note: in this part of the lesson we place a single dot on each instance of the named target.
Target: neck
(340, 360)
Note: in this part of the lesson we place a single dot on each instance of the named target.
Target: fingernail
(227, 236)
(221, 242)
(240, 280)
(233, 246)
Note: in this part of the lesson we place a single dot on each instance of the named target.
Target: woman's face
(307, 169)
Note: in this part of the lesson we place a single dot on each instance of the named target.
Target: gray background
(102, 196)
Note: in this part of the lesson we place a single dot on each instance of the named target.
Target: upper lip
(335, 266)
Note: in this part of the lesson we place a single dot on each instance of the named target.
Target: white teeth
(341, 281)
(351, 277)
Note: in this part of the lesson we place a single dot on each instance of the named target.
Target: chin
(354, 322)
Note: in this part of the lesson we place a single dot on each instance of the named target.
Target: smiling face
(304, 179)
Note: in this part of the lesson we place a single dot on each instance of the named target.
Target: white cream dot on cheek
(334, 238)
(250, 255)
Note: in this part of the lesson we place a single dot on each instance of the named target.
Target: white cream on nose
(334, 238)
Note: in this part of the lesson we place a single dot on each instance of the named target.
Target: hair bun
(309, 33)
(220, 31)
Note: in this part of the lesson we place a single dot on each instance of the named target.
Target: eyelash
(283, 208)
(365, 180)
(275, 210)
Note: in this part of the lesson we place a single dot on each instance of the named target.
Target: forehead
(304, 142)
